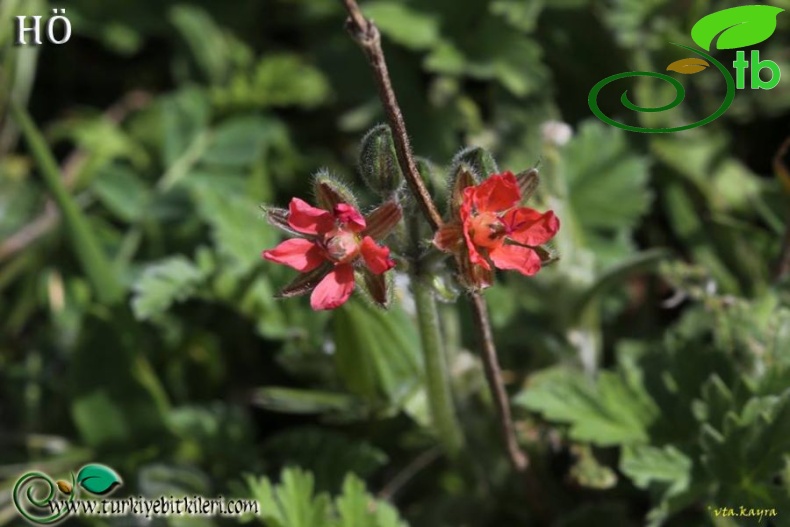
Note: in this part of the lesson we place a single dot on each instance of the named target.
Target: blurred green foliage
(649, 367)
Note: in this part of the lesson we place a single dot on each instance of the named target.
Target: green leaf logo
(98, 479)
(739, 27)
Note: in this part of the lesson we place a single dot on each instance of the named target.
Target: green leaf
(278, 80)
(738, 27)
(607, 181)
(403, 24)
(185, 118)
(752, 444)
(646, 464)
(161, 284)
(327, 454)
(292, 503)
(304, 401)
(609, 412)
(204, 38)
(122, 192)
(357, 508)
(237, 229)
(239, 142)
(98, 479)
(375, 351)
(521, 15)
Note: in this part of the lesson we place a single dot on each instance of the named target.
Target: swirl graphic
(680, 94)
(31, 479)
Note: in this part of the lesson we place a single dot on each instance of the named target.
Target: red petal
(334, 289)
(474, 256)
(512, 257)
(498, 192)
(303, 255)
(350, 217)
(530, 227)
(377, 257)
(307, 219)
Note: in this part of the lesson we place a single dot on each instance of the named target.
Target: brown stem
(367, 35)
(518, 458)
(535, 495)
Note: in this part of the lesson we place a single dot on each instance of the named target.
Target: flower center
(341, 245)
(487, 229)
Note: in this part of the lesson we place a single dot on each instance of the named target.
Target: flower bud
(378, 162)
(329, 191)
(478, 159)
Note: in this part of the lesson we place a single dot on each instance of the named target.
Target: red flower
(329, 247)
(492, 231)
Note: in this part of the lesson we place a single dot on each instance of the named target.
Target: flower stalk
(437, 380)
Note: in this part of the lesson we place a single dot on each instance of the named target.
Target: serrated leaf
(646, 464)
(164, 283)
(607, 192)
(607, 180)
(738, 27)
(357, 508)
(98, 479)
(752, 444)
(236, 230)
(293, 502)
(609, 412)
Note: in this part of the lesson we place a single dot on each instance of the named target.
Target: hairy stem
(518, 458)
(367, 35)
(437, 379)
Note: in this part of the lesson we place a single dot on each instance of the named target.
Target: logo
(737, 27)
(96, 479)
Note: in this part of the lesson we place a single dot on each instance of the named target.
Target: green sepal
(305, 282)
(382, 220)
(528, 182)
(279, 218)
